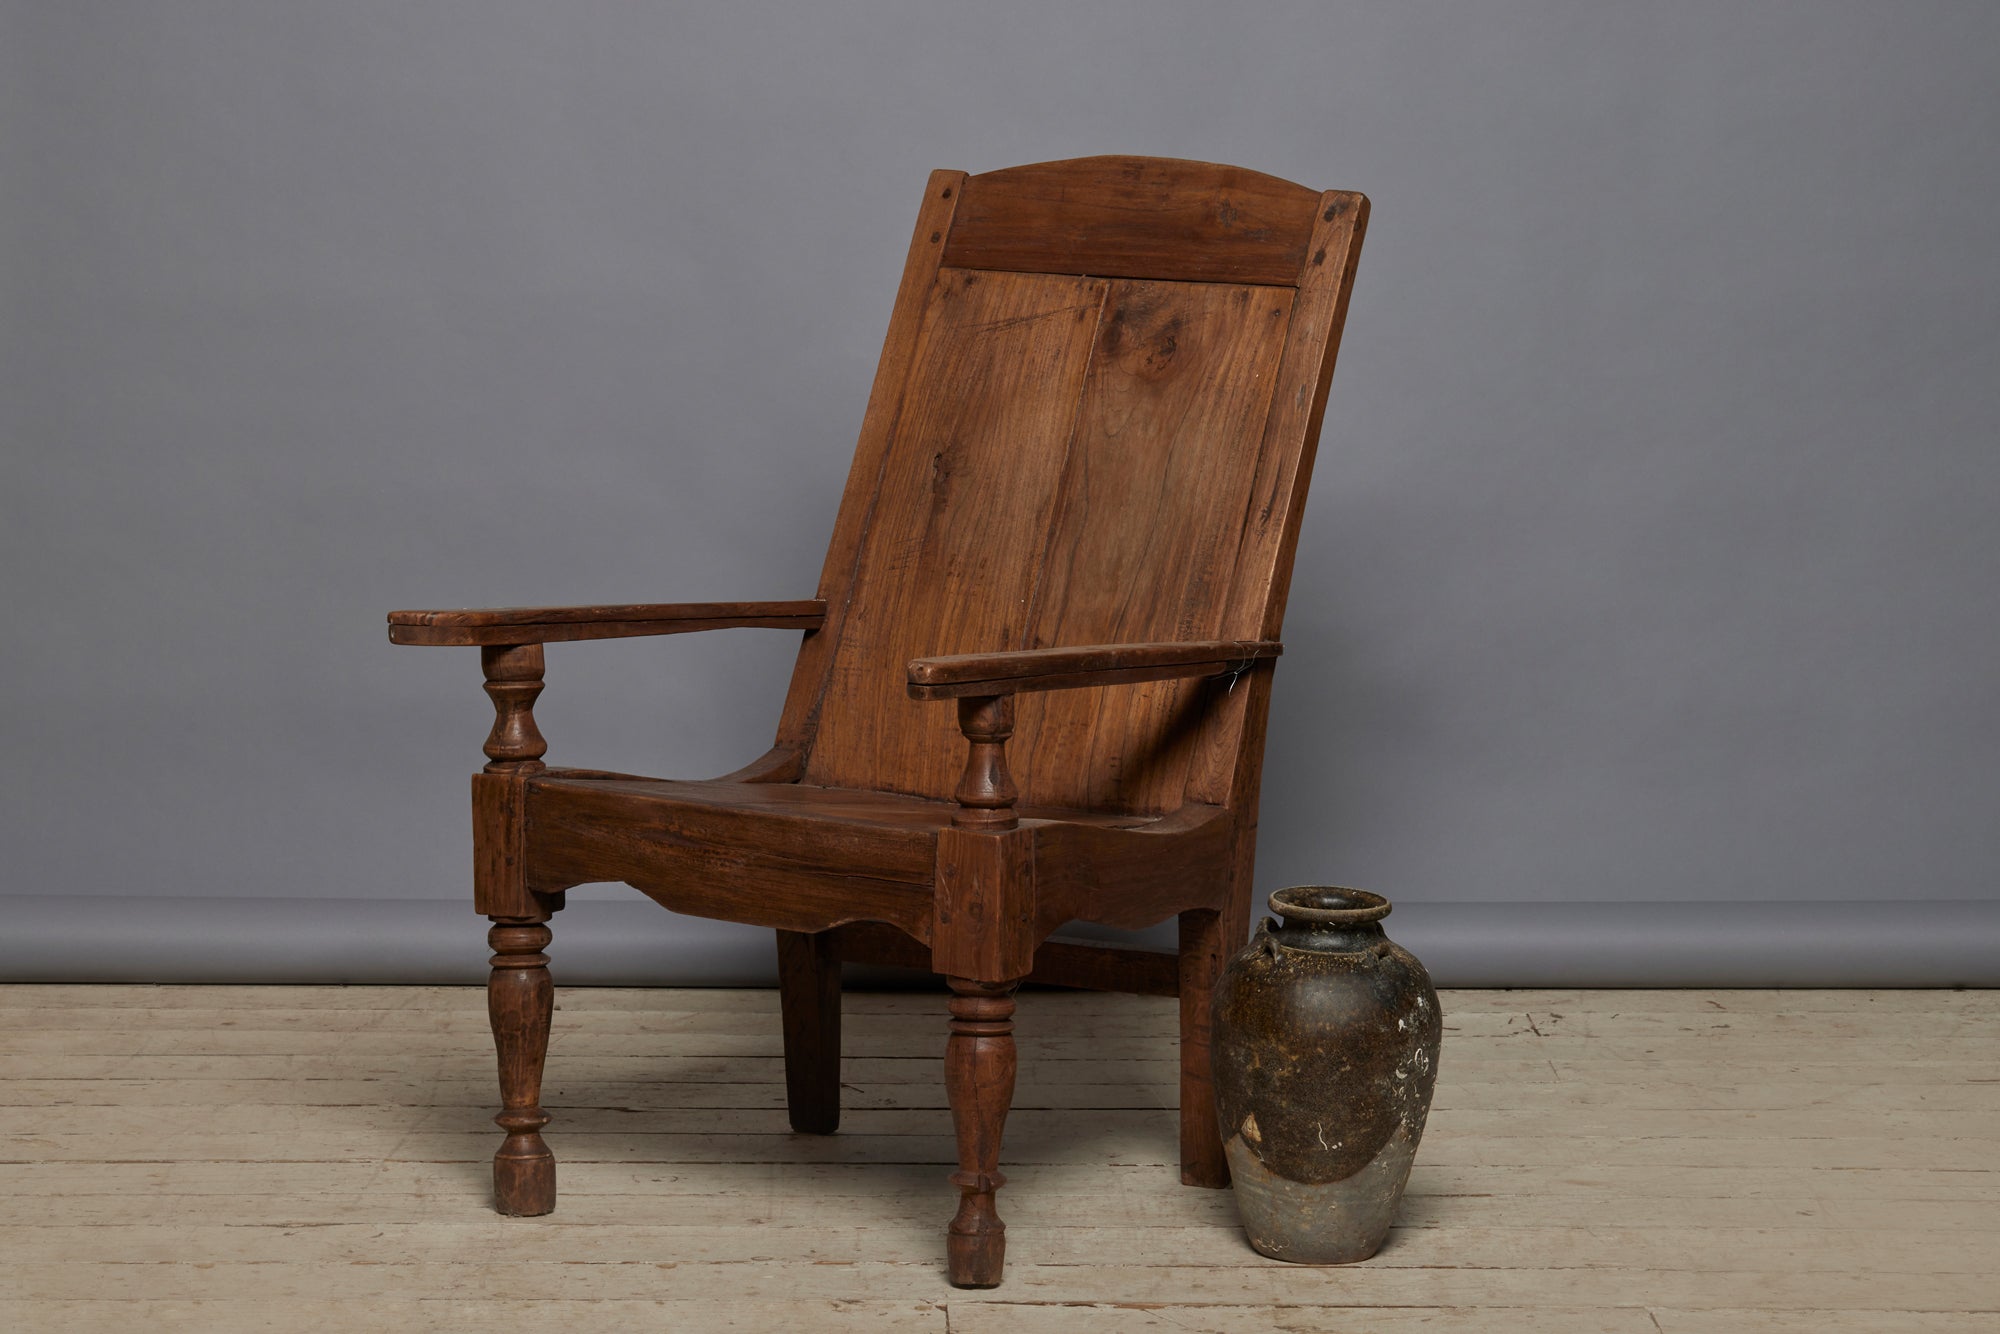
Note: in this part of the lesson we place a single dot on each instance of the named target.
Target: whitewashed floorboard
(269, 1158)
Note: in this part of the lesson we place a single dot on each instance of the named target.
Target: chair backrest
(1093, 423)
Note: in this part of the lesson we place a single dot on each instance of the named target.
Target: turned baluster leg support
(520, 997)
(986, 792)
(519, 1000)
(980, 907)
(979, 1068)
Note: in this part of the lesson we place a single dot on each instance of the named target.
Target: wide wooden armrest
(549, 625)
(962, 675)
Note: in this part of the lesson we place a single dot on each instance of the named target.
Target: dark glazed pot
(1326, 1046)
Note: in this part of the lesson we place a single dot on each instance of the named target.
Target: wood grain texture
(1285, 457)
(548, 625)
(499, 847)
(1132, 217)
(1154, 505)
(519, 1001)
(1136, 877)
(984, 903)
(1058, 963)
(985, 795)
(979, 1068)
(1120, 524)
(807, 858)
(809, 997)
(949, 560)
(1789, 1162)
(1089, 665)
(1203, 949)
(770, 854)
(513, 682)
(808, 688)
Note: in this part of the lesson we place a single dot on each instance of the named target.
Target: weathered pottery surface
(1326, 1046)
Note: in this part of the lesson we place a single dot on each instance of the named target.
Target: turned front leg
(520, 999)
(979, 1081)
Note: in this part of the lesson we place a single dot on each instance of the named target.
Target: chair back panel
(961, 517)
(1071, 465)
(1075, 456)
(1147, 530)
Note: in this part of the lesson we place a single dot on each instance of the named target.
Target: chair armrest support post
(984, 684)
(510, 643)
(986, 793)
(513, 680)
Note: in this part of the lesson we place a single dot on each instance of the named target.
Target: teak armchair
(1072, 513)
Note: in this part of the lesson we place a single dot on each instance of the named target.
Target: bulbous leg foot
(520, 1001)
(979, 1069)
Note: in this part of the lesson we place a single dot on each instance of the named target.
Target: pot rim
(1355, 906)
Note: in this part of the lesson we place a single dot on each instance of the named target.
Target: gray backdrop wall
(1644, 627)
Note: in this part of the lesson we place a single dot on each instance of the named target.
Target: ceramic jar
(1325, 1052)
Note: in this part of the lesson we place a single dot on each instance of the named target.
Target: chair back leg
(809, 996)
(1207, 939)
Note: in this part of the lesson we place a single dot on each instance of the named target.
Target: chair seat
(804, 801)
(789, 855)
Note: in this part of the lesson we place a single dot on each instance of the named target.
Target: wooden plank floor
(281, 1159)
